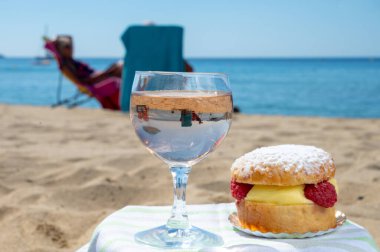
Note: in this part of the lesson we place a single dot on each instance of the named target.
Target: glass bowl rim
(182, 73)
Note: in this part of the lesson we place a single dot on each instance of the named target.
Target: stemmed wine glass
(180, 118)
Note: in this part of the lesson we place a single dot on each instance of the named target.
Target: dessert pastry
(285, 189)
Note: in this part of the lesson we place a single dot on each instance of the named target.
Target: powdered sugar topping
(287, 157)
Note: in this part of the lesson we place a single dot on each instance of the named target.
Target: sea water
(306, 87)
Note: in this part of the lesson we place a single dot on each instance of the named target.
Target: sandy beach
(62, 171)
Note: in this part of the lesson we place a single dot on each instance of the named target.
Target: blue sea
(300, 87)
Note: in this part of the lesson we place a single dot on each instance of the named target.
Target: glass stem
(178, 222)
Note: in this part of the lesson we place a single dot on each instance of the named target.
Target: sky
(213, 28)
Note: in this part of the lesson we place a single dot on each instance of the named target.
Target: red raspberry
(239, 190)
(322, 194)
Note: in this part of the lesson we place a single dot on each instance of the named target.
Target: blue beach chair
(150, 48)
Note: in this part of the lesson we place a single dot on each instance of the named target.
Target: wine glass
(180, 118)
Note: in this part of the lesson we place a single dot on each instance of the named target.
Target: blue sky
(219, 28)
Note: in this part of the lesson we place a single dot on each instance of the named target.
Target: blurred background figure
(148, 47)
(103, 85)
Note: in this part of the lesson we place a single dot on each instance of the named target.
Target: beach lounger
(150, 48)
(105, 91)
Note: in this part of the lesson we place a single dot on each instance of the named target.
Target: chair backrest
(150, 48)
(51, 47)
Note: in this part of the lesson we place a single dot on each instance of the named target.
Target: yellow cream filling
(281, 195)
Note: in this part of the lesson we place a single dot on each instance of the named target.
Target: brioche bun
(284, 165)
(285, 218)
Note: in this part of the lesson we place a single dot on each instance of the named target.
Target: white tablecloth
(116, 232)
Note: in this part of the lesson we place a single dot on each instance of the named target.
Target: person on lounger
(87, 80)
(81, 71)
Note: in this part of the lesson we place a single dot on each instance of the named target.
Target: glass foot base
(163, 237)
